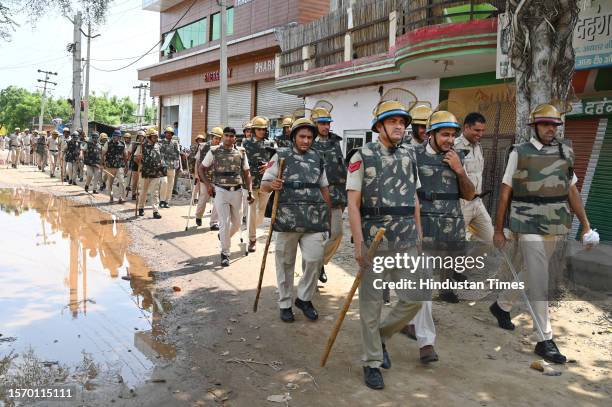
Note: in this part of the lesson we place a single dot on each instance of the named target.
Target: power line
(152, 48)
(121, 59)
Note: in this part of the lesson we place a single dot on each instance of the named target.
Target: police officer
(15, 143)
(231, 170)
(80, 164)
(285, 139)
(171, 155)
(71, 151)
(103, 141)
(41, 152)
(114, 157)
(148, 157)
(420, 114)
(64, 138)
(477, 220)
(132, 176)
(216, 134)
(25, 147)
(371, 171)
(259, 151)
(33, 142)
(539, 186)
(302, 217)
(327, 144)
(247, 131)
(53, 146)
(92, 157)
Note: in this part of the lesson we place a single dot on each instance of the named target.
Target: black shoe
(244, 220)
(94, 192)
(286, 315)
(503, 317)
(386, 364)
(307, 308)
(459, 277)
(80, 179)
(322, 275)
(548, 351)
(214, 227)
(174, 192)
(373, 378)
(156, 215)
(198, 222)
(86, 188)
(166, 204)
(141, 212)
(162, 204)
(102, 188)
(133, 197)
(449, 296)
(225, 260)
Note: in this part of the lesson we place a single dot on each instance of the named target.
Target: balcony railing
(368, 27)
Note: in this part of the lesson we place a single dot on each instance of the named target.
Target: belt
(482, 195)
(540, 199)
(53, 151)
(229, 188)
(227, 173)
(300, 185)
(437, 196)
(387, 210)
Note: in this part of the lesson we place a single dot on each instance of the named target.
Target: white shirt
(53, 144)
(513, 161)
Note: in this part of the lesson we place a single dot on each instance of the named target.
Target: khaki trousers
(54, 161)
(15, 153)
(92, 172)
(149, 185)
(257, 211)
(71, 170)
(117, 173)
(203, 199)
(229, 208)
(477, 220)
(335, 234)
(166, 185)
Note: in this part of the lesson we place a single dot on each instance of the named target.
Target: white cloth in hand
(591, 238)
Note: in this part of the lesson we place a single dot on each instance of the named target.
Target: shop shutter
(239, 102)
(582, 134)
(273, 104)
(600, 194)
(212, 117)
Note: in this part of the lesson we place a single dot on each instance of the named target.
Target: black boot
(198, 222)
(307, 308)
(141, 212)
(373, 378)
(286, 315)
(503, 317)
(322, 275)
(156, 215)
(225, 262)
(386, 364)
(548, 351)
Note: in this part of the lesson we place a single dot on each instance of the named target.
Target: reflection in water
(60, 267)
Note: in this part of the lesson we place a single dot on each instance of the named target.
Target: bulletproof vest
(72, 150)
(204, 149)
(540, 188)
(13, 140)
(152, 163)
(284, 142)
(387, 195)
(335, 169)
(301, 207)
(256, 154)
(134, 146)
(93, 153)
(441, 216)
(41, 144)
(227, 166)
(193, 150)
(170, 152)
(114, 154)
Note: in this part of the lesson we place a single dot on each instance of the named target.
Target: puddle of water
(62, 272)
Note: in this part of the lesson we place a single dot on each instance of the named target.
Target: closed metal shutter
(273, 104)
(582, 134)
(600, 196)
(239, 105)
(212, 117)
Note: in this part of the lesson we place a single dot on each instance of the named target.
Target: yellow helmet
(440, 119)
(247, 126)
(55, 132)
(259, 122)
(152, 132)
(287, 122)
(17, 129)
(320, 114)
(140, 133)
(200, 137)
(389, 108)
(127, 135)
(66, 130)
(303, 122)
(103, 136)
(216, 132)
(26, 129)
(545, 113)
(35, 132)
(169, 130)
(420, 114)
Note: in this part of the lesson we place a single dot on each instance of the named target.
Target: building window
(185, 37)
(215, 26)
(356, 138)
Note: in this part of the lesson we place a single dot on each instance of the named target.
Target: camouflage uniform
(151, 173)
(302, 218)
(540, 177)
(171, 156)
(203, 196)
(41, 152)
(114, 153)
(283, 141)
(330, 151)
(71, 155)
(92, 157)
(258, 152)
(387, 180)
(227, 166)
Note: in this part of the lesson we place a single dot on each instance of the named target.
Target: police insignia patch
(354, 166)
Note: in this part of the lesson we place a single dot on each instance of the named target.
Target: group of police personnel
(423, 189)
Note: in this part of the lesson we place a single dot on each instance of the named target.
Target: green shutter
(600, 195)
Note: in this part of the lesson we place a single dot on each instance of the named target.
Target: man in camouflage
(80, 164)
(285, 139)
(92, 158)
(327, 145)
(41, 152)
(420, 114)
(103, 141)
(148, 157)
(53, 145)
(259, 151)
(204, 147)
(33, 141)
(302, 217)
(64, 138)
(71, 151)
(539, 186)
(171, 152)
(230, 170)
(132, 168)
(114, 157)
(381, 184)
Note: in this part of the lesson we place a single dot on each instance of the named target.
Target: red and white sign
(214, 76)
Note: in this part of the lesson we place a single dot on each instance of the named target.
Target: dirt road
(228, 355)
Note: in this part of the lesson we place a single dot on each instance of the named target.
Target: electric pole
(86, 94)
(76, 71)
(142, 93)
(44, 95)
(223, 64)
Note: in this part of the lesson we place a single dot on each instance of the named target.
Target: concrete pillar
(392, 28)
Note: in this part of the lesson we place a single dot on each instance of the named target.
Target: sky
(128, 32)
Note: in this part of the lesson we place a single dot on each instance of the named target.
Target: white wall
(185, 106)
(353, 107)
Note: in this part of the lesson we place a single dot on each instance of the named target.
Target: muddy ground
(228, 355)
